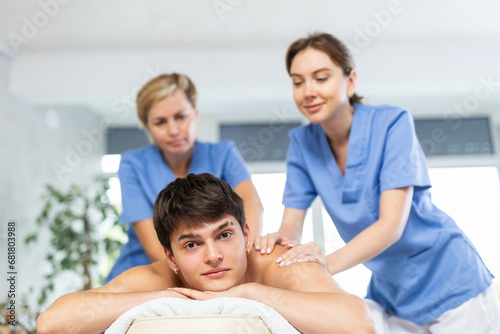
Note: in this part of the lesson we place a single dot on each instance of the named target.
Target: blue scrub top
(433, 267)
(143, 174)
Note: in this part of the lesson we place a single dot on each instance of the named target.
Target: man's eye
(225, 235)
(190, 245)
(181, 116)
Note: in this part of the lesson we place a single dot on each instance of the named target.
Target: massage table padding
(208, 324)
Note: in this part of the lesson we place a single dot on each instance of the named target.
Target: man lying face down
(200, 222)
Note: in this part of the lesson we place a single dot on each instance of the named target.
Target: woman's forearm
(253, 215)
(146, 234)
(292, 223)
(365, 246)
(252, 206)
(394, 210)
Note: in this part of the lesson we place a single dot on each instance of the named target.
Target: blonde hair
(159, 88)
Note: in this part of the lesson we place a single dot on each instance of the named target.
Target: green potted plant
(84, 235)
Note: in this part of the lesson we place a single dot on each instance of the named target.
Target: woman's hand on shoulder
(265, 244)
(309, 252)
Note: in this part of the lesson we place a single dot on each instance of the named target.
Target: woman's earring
(248, 250)
(176, 270)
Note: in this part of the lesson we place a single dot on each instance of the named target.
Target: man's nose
(212, 253)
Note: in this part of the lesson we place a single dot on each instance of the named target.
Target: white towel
(224, 305)
(379, 316)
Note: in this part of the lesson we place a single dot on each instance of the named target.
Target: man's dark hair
(193, 201)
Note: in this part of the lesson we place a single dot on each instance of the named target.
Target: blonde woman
(167, 108)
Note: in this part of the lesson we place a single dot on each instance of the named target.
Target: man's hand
(236, 291)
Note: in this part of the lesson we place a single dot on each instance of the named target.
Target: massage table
(215, 316)
(208, 324)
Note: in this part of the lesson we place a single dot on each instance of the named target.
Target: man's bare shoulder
(304, 276)
(152, 277)
(259, 264)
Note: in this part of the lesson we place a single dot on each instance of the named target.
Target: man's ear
(248, 236)
(171, 261)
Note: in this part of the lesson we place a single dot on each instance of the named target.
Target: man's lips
(314, 107)
(216, 272)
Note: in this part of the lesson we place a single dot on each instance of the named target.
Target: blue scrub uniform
(433, 267)
(143, 174)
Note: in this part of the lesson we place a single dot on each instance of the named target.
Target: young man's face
(210, 257)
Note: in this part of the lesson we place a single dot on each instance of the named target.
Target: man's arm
(95, 310)
(308, 297)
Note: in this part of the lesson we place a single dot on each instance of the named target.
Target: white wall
(251, 84)
(31, 141)
(232, 81)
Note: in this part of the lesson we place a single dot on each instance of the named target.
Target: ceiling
(73, 53)
(94, 25)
